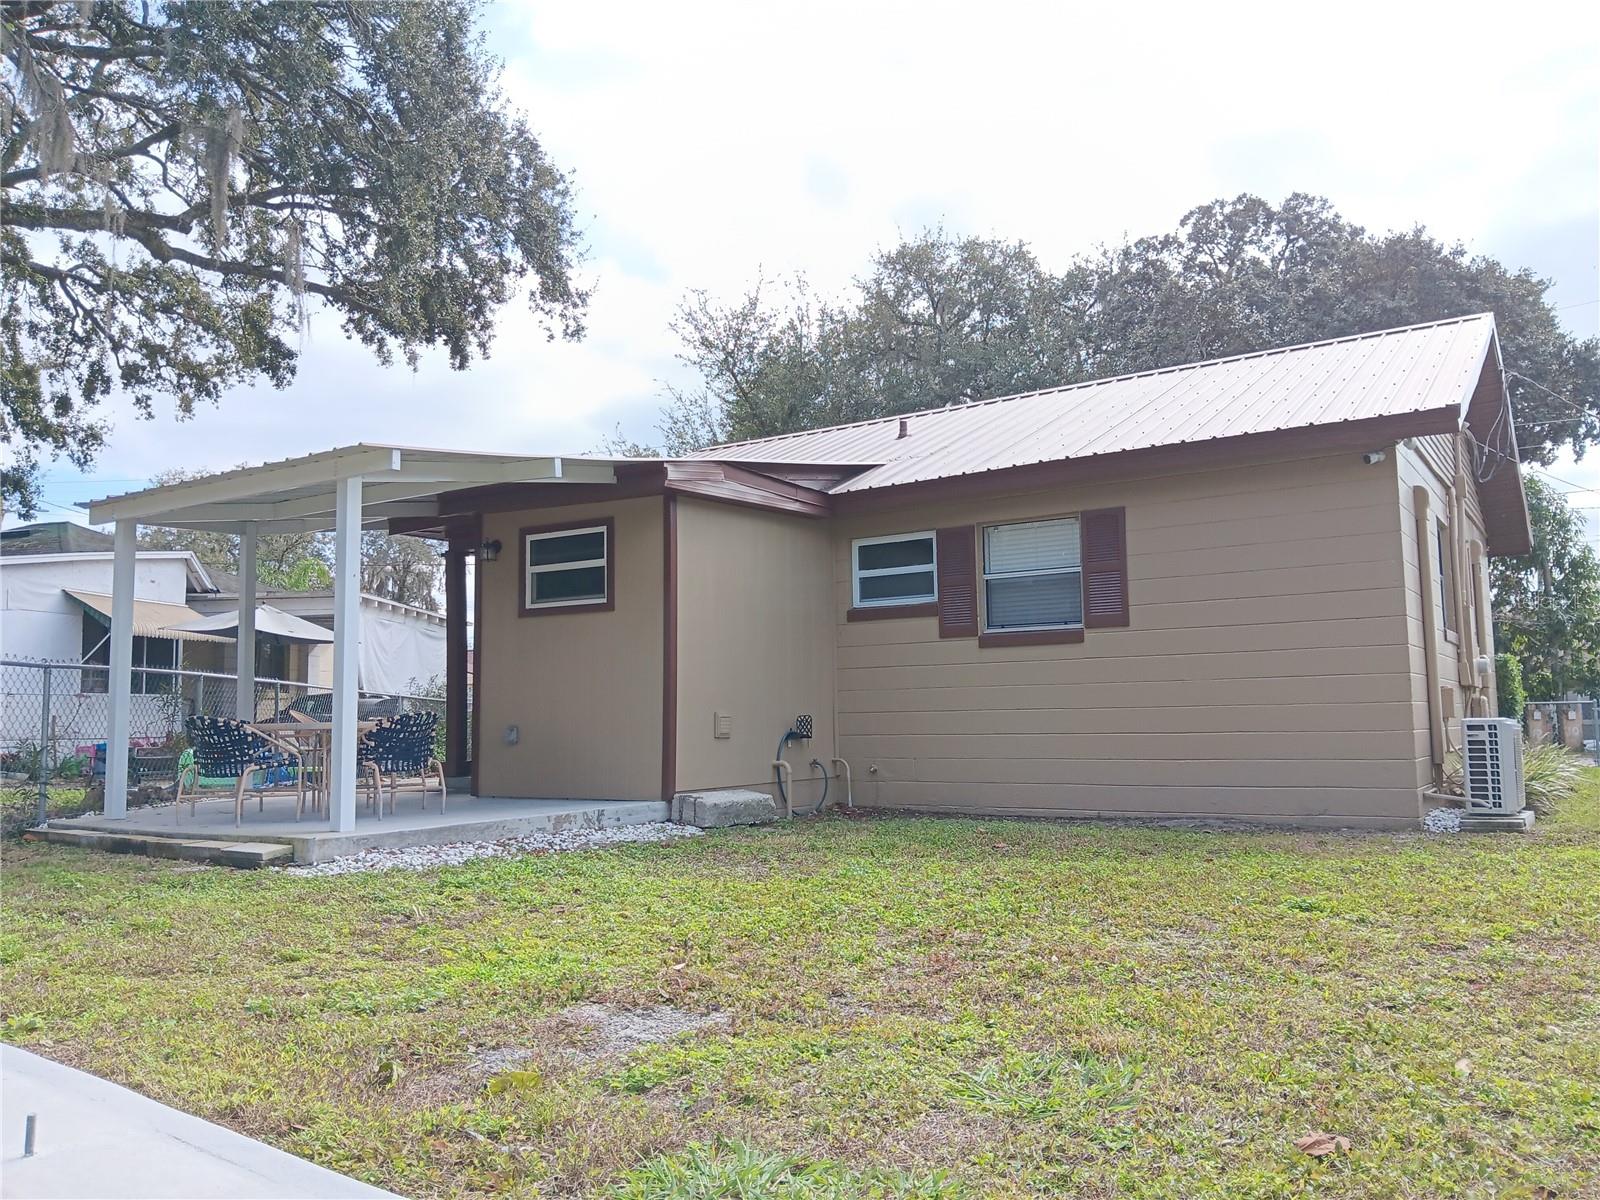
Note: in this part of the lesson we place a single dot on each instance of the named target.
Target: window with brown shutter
(958, 581)
(1105, 568)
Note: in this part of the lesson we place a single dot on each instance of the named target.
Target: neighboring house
(401, 648)
(55, 600)
(1251, 588)
(55, 607)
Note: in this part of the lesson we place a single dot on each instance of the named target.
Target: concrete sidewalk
(96, 1140)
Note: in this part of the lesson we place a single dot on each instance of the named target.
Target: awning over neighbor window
(269, 620)
(151, 618)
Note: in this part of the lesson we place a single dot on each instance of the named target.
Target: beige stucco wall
(756, 641)
(1265, 673)
(1432, 462)
(584, 688)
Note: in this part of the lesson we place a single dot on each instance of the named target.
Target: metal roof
(151, 618)
(298, 494)
(1415, 369)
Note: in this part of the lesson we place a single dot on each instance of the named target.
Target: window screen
(1032, 575)
(894, 570)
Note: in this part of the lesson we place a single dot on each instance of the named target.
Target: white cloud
(711, 143)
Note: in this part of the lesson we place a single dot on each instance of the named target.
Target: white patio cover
(275, 621)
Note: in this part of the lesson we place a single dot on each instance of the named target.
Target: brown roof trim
(727, 482)
(1504, 503)
(633, 480)
(733, 483)
(1364, 434)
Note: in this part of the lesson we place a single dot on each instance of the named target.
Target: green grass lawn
(924, 1008)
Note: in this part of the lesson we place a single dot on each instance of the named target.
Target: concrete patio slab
(96, 1139)
(466, 819)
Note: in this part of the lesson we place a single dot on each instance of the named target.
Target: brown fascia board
(729, 483)
(736, 484)
(633, 480)
(816, 476)
(1367, 433)
(1507, 529)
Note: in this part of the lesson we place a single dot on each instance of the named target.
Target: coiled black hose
(790, 735)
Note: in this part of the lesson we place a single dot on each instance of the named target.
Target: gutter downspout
(1430, 636)
(1466, 582)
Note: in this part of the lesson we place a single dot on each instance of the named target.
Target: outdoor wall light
(490, 550)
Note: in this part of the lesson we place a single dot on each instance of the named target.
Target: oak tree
(182, 180)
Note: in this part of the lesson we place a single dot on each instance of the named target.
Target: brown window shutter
(958, 581)
(1105, 568)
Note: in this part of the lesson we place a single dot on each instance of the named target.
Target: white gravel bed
(1442, 820)
(452, 854)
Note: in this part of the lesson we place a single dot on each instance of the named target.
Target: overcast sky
(712, 141)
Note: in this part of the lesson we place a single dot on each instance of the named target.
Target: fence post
(44, 749)
(277, 700)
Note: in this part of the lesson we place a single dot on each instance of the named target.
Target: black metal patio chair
(401, 747)
(229, 749)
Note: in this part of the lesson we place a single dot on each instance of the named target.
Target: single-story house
(55, 598)
(1253, 588)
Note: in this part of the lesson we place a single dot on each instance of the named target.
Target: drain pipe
(849, 791)
(785, 771)
(1430, 633)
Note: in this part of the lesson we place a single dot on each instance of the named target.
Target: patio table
(315, 739)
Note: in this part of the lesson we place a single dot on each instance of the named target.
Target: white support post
(346, 637)
(246, 640)
(120, 687)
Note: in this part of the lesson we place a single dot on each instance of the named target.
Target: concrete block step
(724, 806)
(227, 854)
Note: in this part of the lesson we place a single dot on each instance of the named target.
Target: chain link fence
(54, 720)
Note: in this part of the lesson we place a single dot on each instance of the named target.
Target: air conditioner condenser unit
(1491, 764)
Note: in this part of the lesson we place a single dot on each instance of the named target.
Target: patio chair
(228, 749)
(401, 746)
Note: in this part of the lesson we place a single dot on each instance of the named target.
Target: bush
(1550, 775)
(1508, 686)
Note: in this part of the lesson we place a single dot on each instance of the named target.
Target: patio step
(226, 854)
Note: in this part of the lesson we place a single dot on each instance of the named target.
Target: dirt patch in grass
(608, 1030)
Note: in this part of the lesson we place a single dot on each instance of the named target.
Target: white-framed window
(898, 569)
(1032, 575)
(566, 567)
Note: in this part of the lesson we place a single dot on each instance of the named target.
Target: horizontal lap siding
(1264, 674)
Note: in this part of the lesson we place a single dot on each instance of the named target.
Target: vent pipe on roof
(905, 428)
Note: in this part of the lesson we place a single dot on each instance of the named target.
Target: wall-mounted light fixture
(490, 550)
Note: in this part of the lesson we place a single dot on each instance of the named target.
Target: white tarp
(399, 653)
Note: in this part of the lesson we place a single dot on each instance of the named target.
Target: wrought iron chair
(228, 749)
(401, 746)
